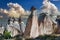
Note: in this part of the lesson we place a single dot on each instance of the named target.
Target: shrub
(6, 34)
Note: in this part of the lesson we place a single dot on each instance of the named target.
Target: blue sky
(27, 3)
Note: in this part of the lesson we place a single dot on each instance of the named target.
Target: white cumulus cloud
(15, 10)
(49, 7)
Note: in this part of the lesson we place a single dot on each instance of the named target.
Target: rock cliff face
(58, 29)
(42, 25)
(32, 25)
(28, 26)
(45, 26)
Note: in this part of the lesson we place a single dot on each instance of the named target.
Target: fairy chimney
(29, 22)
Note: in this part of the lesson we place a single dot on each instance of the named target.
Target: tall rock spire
(29, 23)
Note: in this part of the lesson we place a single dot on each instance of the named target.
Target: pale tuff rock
(46, 26)
(12, 28)
(23, 27)
(1, 30)
(16, 25)
(34, 28)
(15, 28)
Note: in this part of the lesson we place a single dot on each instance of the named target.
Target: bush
(6, 34)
